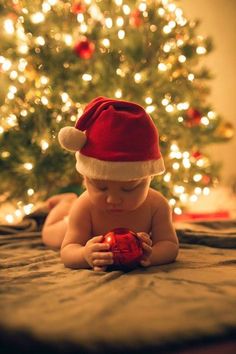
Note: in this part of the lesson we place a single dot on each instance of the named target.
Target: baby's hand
(147, 248)
(97, 255)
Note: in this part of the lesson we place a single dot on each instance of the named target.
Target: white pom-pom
(71, 139)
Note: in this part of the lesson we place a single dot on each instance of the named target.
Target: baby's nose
(113, 199)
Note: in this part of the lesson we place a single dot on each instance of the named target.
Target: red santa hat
(114, 140)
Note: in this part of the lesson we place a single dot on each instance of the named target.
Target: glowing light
(179, 189)
(204, 120)
(171, 7)
(191, 77)
(30, 192)
(182, 59)
(193, 198)
(108, 22)
(137, 77)
(172, 202)
(186, 163)
(197, 177)
(44, 145)
(46, 7)
(13, 75)
(150, 109)
(126, 9)
(162, 67)
(121, 34)
(118, 93)
(28, 208)
(68, 39)
(161, 12)
(165, 102)
(80, 18)
(28, 166)
(167, 177)
(169, 108)
(9, 26)
(198, 190)
(148, 100)
(120, 21)
(6, 65)
(166, 29)
(182, 106)
(38, 17)
(87, 77)
(119, 2)
(206, 191)
(142, 6)
(176, 166)
(183, 197)
(177, 211)
(64, 97)
(106, 42)
(211, 115)
(9, 218)
(201, 50)
(172, 24)
(44, 100)
(44, 80)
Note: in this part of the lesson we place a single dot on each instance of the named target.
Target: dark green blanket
(45, 307)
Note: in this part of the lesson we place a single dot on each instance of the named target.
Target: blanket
(45, 307)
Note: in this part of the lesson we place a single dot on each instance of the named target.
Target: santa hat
(114, 140)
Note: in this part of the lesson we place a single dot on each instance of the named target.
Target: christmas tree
(58, 55)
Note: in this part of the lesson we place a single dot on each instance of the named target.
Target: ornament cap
(71, 138)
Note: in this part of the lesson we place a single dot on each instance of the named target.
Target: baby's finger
(100, 247)
(99, 269)
(96, 239)
(146, 248)
(102, 262)
(145, 262)
(102, 255)
(145, 237)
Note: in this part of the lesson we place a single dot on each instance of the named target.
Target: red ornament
(193, 117)
(206, 179)
(136, 19)
(197, 155)
(78, 7)
(84, 49)
(125, 246)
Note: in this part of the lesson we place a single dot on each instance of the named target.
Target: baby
(118, 154)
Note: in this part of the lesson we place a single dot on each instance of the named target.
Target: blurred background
(218, 21)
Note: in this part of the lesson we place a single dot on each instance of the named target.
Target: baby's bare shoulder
(157, 200)
(82, 203)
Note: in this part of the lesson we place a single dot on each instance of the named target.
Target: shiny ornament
(84, 49)
(125, 246)
(193, 117)
(206, 179)
(225, 131)
(78, 7)
(136, 19)
(197, 155)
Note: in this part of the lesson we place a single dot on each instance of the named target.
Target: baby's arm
(78, 249)
(165, 242)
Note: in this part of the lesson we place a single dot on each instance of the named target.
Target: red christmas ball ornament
(78, 7)
(136, 19)
(84, 49)
(125, 246)
(193, 117)
(206, 179)
(197, 155)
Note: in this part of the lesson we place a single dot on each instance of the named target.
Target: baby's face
(117, 197)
